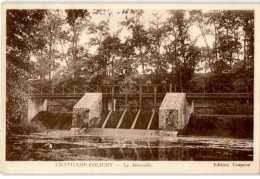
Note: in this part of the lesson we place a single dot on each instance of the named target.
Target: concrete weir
(174, 113)
(87, 111)
(141, 109)
(90, 115)
(35, 106)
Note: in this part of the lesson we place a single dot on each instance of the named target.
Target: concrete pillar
(174, 113)
(36, 105)
(87, 111)
(189, 110)
(114, 105)
(109, 104)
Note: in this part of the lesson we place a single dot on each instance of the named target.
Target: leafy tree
(157, 34)
(248, 39)
(47, 57)
(181, 51)
(228, 39)
(244, 69)
(110, 51)
(100, 32)
(78, 19)
(200, 19)
(127, 58)
(229, 47)
(140, 39)
(70, 48)
(21, 42)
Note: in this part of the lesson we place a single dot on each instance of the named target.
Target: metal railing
(137, 89)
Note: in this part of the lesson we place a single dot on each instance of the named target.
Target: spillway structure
(97, 115)
(140, 109)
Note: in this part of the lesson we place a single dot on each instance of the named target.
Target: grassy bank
(24, 127)
(223, 126)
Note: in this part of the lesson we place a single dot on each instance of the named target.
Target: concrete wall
(35, 106)
(189, 110)
(174, 112)
(121, 132)
(87, 111)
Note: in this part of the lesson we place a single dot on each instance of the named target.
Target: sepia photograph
(129, 84)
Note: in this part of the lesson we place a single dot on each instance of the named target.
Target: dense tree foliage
(57, 47)
(22, 40)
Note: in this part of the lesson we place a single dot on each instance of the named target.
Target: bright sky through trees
(103, 46)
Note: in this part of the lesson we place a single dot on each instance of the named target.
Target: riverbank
(219, 125)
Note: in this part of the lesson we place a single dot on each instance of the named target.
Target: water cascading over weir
(95, 114)
(141, 109)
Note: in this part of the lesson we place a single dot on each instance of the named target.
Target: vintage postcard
(130, 88)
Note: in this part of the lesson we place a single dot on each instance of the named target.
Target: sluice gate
(94, 113)
(132, 109)
(127, 119)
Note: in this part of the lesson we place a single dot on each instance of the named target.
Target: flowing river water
(61, 145)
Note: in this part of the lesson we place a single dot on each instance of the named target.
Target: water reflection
(86, 147)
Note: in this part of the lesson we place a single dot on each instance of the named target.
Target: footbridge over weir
(170, 106)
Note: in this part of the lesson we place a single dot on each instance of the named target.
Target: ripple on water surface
(65, 146)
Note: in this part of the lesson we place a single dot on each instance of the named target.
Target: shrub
(25, 127)
(221, 125)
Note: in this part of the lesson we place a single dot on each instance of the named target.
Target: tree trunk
(207, 46)
(216, 38)
(65, 58)
(142, 60)
(181, 81)
(112, 72)
(49, 71)
(245, 58)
